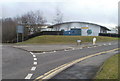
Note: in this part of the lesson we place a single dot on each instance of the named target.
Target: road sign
(20, 29)
(78, 41)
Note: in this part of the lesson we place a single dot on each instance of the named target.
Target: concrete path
(45, 48)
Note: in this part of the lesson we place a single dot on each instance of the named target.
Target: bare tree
(59, 17)
(31, 17)
(28, 18)
(40, 19)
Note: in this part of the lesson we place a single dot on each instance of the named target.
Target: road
(16, 63)
(19, 64)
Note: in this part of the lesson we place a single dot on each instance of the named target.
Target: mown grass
(55, 39)
(109, 69)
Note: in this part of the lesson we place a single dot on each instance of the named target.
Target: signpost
(20, 29)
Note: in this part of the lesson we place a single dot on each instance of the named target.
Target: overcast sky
(102, 12)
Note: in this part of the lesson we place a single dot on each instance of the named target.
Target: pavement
(57, 47)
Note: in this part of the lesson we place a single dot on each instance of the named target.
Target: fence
(109, 34)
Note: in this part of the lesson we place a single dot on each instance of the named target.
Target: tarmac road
(49, 61)
(16, 63)
(19, 64)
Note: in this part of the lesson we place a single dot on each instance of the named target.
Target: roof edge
(79, 22)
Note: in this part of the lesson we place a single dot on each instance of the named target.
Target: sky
(102, 12)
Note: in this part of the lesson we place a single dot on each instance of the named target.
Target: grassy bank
(55, 39)
(109, 69)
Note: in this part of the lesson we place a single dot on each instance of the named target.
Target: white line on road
(35, 63)
(35, 58)
(66, 50)
(34, 55)
(109, 43)
(95, 46)
(104, 44)
(33, 68)
(88, 47)
(44, 52)
(54, 51)
(31, 53)
(28, 76)
(81, 48)
(73, 48)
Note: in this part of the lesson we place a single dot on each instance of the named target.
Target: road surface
(20, 64)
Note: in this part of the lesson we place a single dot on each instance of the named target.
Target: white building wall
(95, 29)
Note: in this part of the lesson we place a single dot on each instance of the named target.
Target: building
(79, 28)
(113, 31)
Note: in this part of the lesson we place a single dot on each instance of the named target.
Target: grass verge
(109, 69)
(57, 39)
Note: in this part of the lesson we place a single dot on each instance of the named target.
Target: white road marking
(44, 52)
(35, 63)
(33, 68)
(95, 46)
(28, 76)
(104, 44)
(81, 48)
(73, 48)
(109, 43)
(88, 47)
(54, 51)
(31, 53)
(34, 55)
(35, 58)
(66, 50)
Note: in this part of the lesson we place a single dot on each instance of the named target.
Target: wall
(95, 29)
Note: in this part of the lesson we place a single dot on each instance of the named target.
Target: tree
(8, 30)
(59, 16)
(40, 19)
(31, 17)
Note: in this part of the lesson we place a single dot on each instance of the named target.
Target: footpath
(36, 48)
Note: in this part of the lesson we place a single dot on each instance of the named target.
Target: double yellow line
(57, 70)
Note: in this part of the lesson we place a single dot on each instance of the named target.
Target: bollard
(78, 42)
(94, 41)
